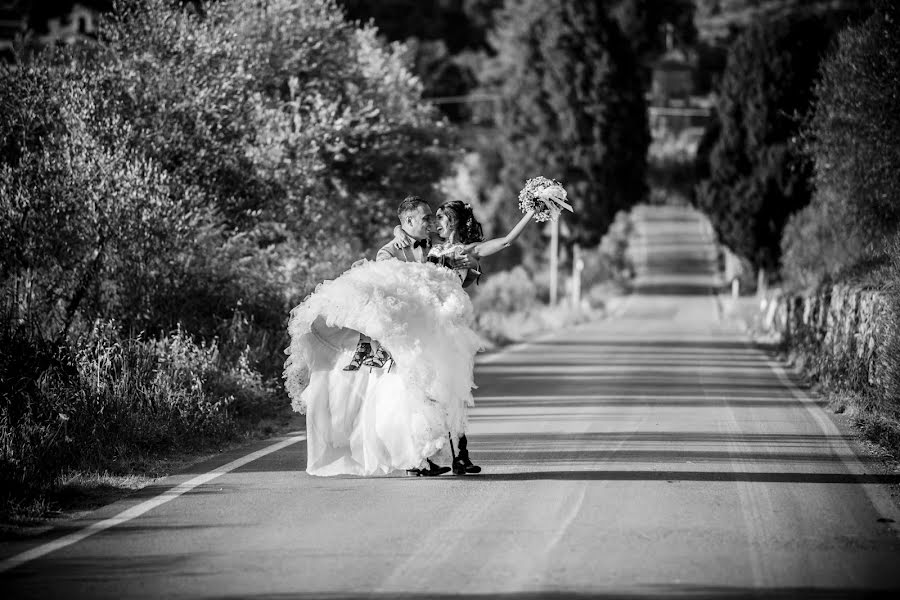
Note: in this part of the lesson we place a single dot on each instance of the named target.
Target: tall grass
(104, 398)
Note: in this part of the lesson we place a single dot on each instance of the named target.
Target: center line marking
(143, 507)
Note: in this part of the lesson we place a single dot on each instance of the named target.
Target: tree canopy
(758, 174)
(569, 106)
(852, 139)
(191, 165)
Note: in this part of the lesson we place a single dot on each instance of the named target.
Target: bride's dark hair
(463, 221)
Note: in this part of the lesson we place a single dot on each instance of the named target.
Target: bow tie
(421, 243)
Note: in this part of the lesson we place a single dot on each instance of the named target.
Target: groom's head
(415, 217)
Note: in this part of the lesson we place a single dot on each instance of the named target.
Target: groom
(417, 221)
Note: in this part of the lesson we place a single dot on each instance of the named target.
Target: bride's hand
(459, 262)
(402, 239)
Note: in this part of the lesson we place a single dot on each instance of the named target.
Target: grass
(77, 491)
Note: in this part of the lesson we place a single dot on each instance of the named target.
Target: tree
(570, 107)
(191, 165)
(758, 173)
(852, 139)
(444, 37)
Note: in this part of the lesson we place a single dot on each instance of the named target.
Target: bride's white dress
(375, 422)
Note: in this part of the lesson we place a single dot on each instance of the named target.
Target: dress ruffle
(368, 423)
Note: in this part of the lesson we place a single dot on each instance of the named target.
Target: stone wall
(838, 334)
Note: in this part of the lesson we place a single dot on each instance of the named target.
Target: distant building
(13, 23)
(675, 112)
(677, 116)
(79, 23)
(48, 22)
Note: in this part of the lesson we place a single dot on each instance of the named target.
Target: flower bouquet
(545, 197)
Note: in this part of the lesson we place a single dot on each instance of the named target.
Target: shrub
(194, 172)
(815, 247)
(890, 353)
(101, 400)
(506, 292)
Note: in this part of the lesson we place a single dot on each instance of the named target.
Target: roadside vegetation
(166, 195)
(169, 190)
(802, 180)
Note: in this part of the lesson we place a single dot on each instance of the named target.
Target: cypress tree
(758, 173)
(570, 107)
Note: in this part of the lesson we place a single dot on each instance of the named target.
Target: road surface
(652, 454)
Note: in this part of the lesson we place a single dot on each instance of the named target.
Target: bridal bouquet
(545, 197)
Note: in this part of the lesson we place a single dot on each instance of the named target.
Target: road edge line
(879, 498)
(139, 509)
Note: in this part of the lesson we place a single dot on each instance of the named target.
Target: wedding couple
(381, 358)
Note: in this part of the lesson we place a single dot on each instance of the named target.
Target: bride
(374, 422)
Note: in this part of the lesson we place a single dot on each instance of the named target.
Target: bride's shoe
(363, 350)
(378, 359)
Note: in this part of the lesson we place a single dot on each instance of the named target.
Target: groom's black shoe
(431, 471)
(464, 466)
(461, 463)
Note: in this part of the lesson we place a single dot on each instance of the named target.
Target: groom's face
(417, 223)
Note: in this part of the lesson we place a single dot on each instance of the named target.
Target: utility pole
(577, 267)
(554, 260)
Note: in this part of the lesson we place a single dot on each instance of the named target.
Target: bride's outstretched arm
(488, 247)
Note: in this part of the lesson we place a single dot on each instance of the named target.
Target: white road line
(877, 494)
(143, 507)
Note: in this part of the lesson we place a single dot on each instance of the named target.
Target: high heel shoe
(378, 358)
(363, 350)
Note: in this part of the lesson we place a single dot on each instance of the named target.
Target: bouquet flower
(545, 197)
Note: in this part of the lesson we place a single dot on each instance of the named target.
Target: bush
(815, 247)
(195, 172)
(890, 353)
(101, 400)
(506, 292)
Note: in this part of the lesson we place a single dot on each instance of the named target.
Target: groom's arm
(386, 252)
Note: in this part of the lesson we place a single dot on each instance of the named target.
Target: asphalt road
(652, 454)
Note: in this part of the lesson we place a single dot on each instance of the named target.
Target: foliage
(508, 309)
(571, 108)
(506, 291)
(195, 172)
(445, 39)
(852, 138)
(758, 174)
(890, 351)
(102, 399)
(219, 157)
(816, 246)
(614, 252)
